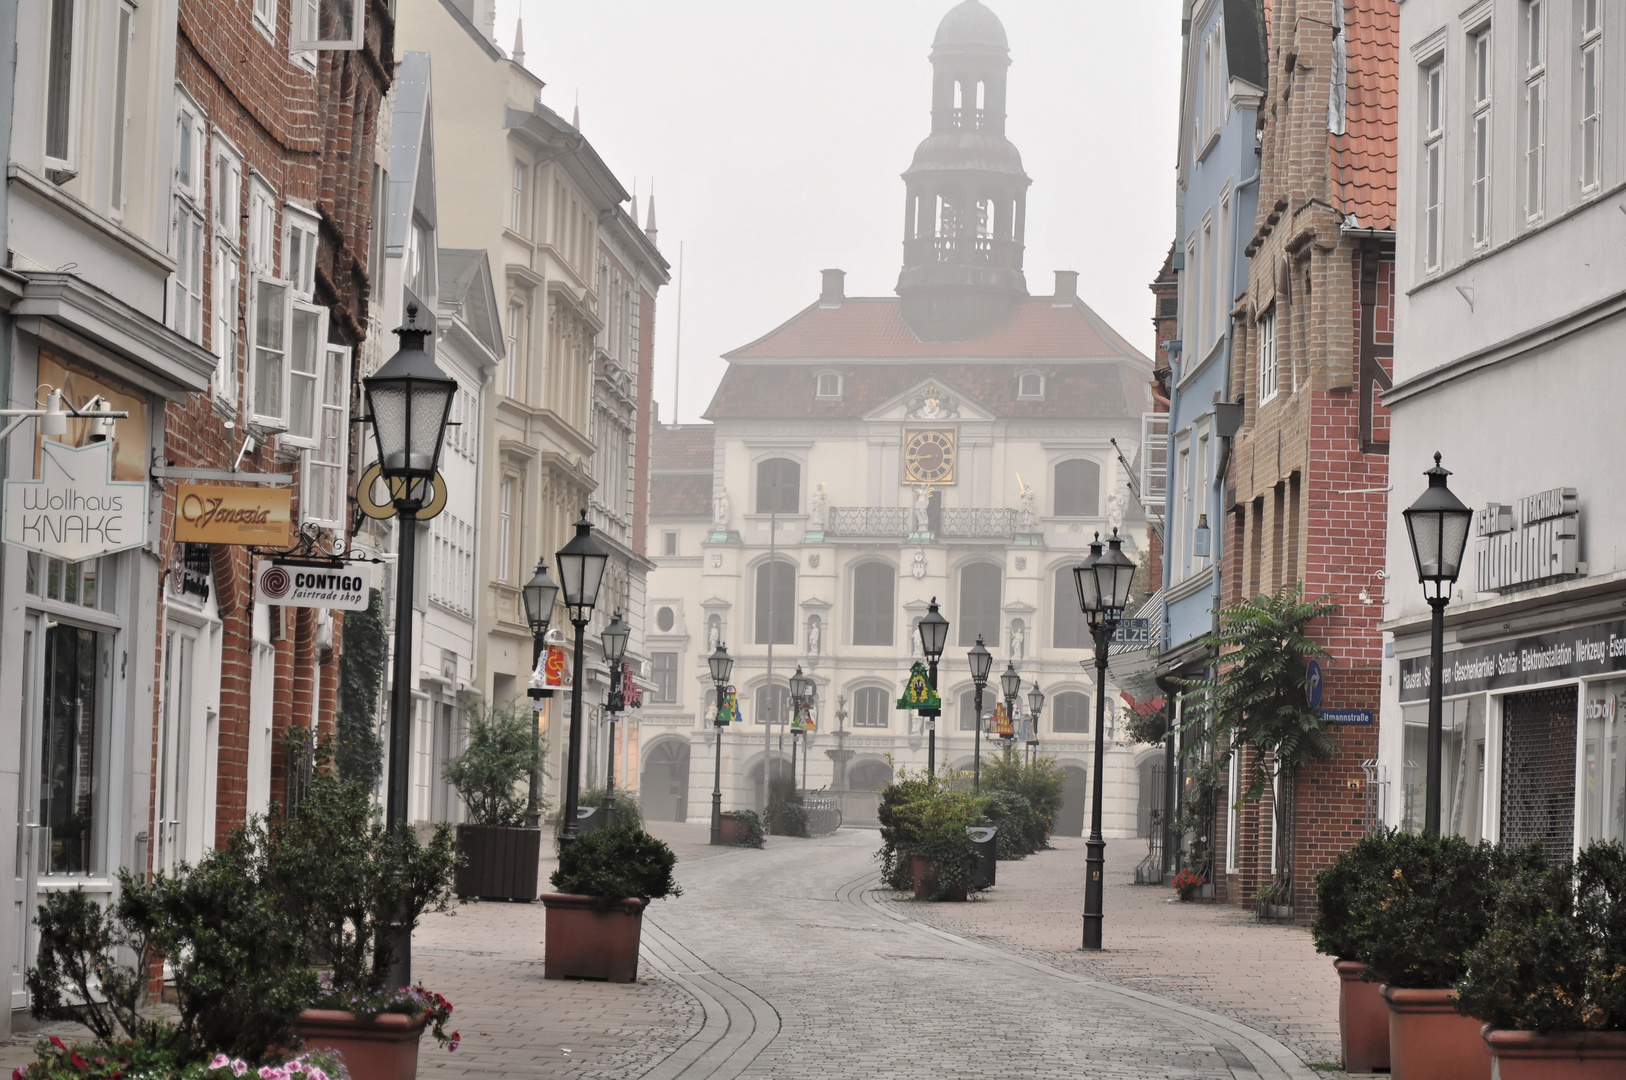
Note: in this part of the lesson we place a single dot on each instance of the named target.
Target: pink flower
(295, 1066)
(220, 1061)
(238, 1066)
(316, 1073)
(268, 1072)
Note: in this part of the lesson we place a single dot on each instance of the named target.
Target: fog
(773, 135)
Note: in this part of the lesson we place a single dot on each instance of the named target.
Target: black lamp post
(1011, 684)
(539, 595)
(408, 402)
(1035, 707)
(581, 571)
(1103, 591)
(1438, 523)
(614, 640)
(801, 698)
(721, 665)
(933, 637)
(982, 662)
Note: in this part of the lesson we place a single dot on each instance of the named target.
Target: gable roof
(467, 293)
(1364, 156)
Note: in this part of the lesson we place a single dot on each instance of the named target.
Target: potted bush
(899, 812)
(741, 828)
(501, 856)
(1034, 791)
(941, 859)
(1412, 922)
(595, 921)
(1549, 976)
(1363, 1015)
(785, 815)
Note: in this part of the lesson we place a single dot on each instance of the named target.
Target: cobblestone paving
(820, 976)
(1215, 957)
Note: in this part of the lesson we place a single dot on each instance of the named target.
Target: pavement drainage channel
(738, 1023)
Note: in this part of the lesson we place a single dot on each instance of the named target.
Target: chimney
(834, 288)
(1066, 287)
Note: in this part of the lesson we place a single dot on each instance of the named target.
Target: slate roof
(1364, 156)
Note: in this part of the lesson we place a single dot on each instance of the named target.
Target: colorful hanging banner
(803, 720)
(728, 710)
(918, 695)
(632, 695)
(999, 725)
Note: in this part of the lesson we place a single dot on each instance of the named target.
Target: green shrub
(1012, 815)
(615, 864)
(359, 754)
(79, 943)
(928, 817)
(1554, 956)
(491, 774)
(785, 815)
(624, 807)
(1039, 783)
(899, 814)
(1335, 887)
(751, 835)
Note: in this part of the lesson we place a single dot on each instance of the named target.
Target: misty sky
(774, 133)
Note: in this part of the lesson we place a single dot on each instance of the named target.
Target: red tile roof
(680, 470)
(1364, 156)
(684, 446)
(680, 495)
(873, 328)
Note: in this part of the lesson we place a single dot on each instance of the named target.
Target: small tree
(1256, 698)
(359, 754)
(501, 752)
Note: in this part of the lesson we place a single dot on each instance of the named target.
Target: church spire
(519, 42)
(649, 226)
(966, 191)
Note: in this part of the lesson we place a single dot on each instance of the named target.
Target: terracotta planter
(382, 1048)
(1562, 1055)
(925, 871)
(499, 863)
(1363, 1020)
(730, 830)
(585, 941)
(1430, 1040)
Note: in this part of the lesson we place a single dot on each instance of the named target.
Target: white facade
(1510, 327)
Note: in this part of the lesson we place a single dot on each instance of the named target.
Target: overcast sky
(773, 133)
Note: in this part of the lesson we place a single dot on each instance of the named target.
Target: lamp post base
(1094, 868)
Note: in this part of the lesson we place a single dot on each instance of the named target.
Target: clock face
(928, 457)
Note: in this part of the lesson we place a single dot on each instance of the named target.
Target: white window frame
(271, 421)
(1200, 487)
(1190, 304)
(1270, 376)
(301, 241)
(68, 161)
(516, 347)
(1154, 463)
(1021, 382)
(1535, 110)
(1589, 98)
(265, 18)
(1181, 502)
(1222, 264)
(1482, 84)
(226, 194)
(123, 45)
(262, 227)
(505, 526)
(1233, 816)
(188, 242)
(306, 30)
(1433, 164)
(304, 428)
(327, 461)
(1205, 301)
(516, 209)
(818, 385)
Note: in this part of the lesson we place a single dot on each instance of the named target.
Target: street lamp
(1438, 524)
(982, 661)
(539, 595)
(581, 571)
(1103, 591)
(933, 637)
(721, 665)
(614, 640)
(1011, 683)
(801, 697)
(1035, 707)
(409, 400)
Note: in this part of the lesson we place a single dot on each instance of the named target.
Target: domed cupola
(966, 202)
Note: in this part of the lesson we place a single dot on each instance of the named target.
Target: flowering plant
(412, 1001)
(313, 1065)
(1188, 879)
(132, 1060)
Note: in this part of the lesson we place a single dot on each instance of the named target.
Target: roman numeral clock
(928, 456)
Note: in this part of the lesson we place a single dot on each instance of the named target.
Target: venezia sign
(345, 586)
(1581, 652)
(75, 510)
(216, 514)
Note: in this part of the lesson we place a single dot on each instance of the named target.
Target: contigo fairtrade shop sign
(213, 514)
(75, 510)
(1583, 652)
(346, 586)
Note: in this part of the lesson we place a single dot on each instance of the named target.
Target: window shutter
(306, 349)
(271, 312)
(1154, 463)
(323, 489)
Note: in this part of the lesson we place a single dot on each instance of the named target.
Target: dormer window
(1030, 385)
(829, 385)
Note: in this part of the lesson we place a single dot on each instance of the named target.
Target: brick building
(1304, 493)
(271, 219)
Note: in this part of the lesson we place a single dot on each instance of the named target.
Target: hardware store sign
(1582, 652)
(75, 510)
(346, 586)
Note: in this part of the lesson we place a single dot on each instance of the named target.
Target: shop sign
(1583, 652)
(189, 568)
(216, 514)
(1133, 634)
(345, 586)
(75, 510)
(1537, 540)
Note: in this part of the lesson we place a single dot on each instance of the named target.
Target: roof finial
(576, 113)
(519, 41)
(649, 226)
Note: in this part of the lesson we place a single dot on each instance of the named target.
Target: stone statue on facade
(714, 633)
(815, 635)
(1115, 509)
(720, 511)
(923, 502)
(1028, 515)
(815, 516)
(1019, 640)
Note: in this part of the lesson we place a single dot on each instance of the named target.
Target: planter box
(383, 1048)
(585, 941)
(499, 863)
(925, 872)
(731, 830)
(1561, 1055)
(1430, 1040)
(1363, 1020)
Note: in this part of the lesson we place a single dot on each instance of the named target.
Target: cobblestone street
(785, 963)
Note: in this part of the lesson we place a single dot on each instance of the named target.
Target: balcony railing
(870, 521)
(978, 521)
(899, 521)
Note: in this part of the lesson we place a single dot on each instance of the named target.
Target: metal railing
(978, 521)
(889, 521)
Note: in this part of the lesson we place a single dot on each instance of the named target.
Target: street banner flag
(1000, 723)
(728, 710)
(918, 695)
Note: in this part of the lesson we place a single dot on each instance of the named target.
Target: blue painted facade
(1223, 79)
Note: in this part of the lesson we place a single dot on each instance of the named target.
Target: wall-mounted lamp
(1201, 538)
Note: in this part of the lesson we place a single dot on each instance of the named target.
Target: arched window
(773, 704)
(1078, 488)
(980, 595)
(873, 586)
(1030, 384)
(1070, 713)
(779, 486)
(871, 709)
(776, 604)
(829, 384)
(1070, 629)
(968, 707)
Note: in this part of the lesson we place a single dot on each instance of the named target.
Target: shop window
(82, 584)
(871, 709)
(1603, 808)
(70, 810)
(1070, 713)
(1462, 762)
